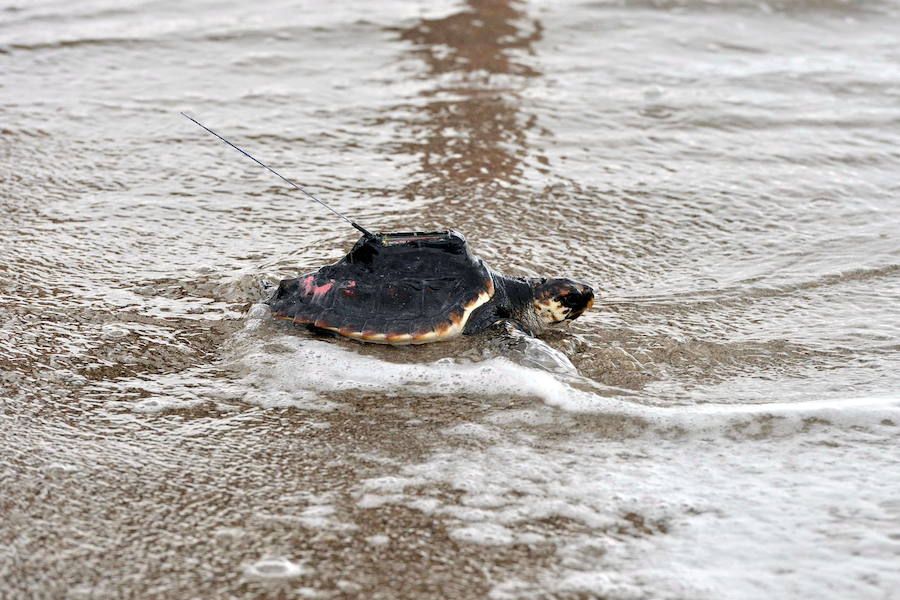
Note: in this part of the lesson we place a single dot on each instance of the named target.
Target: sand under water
(723, 424)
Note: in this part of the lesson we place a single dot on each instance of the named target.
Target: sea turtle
(414, 288)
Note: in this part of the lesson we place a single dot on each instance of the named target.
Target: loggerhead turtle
(414, 288)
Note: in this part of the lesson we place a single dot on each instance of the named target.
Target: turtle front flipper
(511, 327)
(483, 318)
(508, 309)
(519, 346)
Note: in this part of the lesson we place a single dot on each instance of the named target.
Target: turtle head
(559, 300)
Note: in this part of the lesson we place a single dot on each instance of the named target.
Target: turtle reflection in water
(415, 288)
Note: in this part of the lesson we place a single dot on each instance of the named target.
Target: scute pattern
(407, 293)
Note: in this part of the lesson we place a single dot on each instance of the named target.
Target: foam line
(311, 367)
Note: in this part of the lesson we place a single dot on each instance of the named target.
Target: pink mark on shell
(316, 290)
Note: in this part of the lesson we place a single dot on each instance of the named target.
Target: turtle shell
(394, 288)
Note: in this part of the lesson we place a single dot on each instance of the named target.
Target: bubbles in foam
(229, 533)
(275, 568)
(299, 398)
(488, 534)
(160, 403)
(57, 468)
(378, 540)
(602, 585)
(473, 431)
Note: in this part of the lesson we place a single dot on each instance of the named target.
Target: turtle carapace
(414, 288)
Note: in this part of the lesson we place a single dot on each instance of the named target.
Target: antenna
(260, 163)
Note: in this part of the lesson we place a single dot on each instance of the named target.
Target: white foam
(787, 499)
(229, 533)
(465, 513)
(315, 516)
(327, 367)
(603, 585)
(301, 365)
(807, 516)
(274, 568)
(156, 404)
(377, 500)
(299, 371)
(378, 540)
(473, 431)
(386, 484)
(54, 468)
(488, 534)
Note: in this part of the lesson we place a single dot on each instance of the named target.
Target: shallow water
(724, 173)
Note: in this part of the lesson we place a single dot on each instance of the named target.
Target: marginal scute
(428, 336)
(399, 337)
(489, 284)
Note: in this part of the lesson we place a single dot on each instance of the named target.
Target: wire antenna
(270, 169)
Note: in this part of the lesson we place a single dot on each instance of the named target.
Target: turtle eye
(571, 300)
